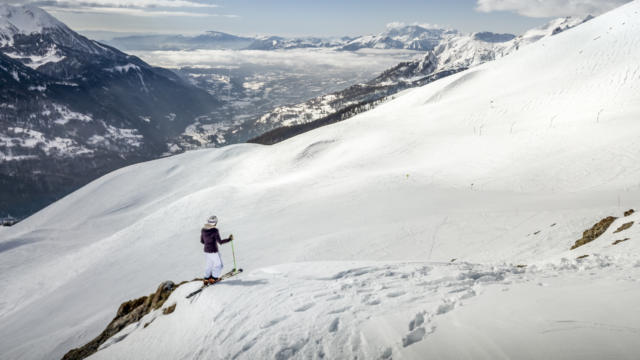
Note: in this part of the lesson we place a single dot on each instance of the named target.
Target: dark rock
(629, 212)
(594, 232)
(624, 227)
(170, 309)
(619, 241)
(128, 313)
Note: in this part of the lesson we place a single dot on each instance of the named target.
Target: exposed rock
(582, 257)
(168, 310)
(629, 212)
(624, 227)
(595, 231)
(619, 241)
(128, 313)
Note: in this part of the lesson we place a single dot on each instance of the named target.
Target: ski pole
(235, 267)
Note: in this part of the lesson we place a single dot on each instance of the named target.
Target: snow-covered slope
(347, 233)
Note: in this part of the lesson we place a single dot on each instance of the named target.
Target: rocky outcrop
(594, 232)
(619, 241)
(128, 313)
(624, 227)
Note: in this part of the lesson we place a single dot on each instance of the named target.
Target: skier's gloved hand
(231, 236)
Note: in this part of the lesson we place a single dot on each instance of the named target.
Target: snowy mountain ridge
(408, 37)
(26, 20)
(411, 37)
(444, 217)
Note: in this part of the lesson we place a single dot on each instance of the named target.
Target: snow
(124, 68)
(130, 137)
(253, 85)
(10, 157)
(407, 309)
(201, 133)
(25, 19)
(40, 88)
(35, 61)
(18, 137)
(347, 234)
(469, 50)
(15, 75)
(66, 115)
(401, 36)
(289, 115)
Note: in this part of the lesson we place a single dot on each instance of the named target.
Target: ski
(224, 276)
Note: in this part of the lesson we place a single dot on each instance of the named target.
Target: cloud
(123, 11)
(399, 24)
(142, 8)
(296, 59)
(550, 8)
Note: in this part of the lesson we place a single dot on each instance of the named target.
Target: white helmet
(213, 220)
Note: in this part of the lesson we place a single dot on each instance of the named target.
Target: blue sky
(307, 17)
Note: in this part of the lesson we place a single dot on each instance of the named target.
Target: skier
(210, 237)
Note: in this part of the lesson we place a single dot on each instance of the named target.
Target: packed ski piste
(491, 214)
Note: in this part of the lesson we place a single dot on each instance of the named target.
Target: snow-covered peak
(551, 28)
(26, 19)
(412, 37)
(467, 50)
(36, 38)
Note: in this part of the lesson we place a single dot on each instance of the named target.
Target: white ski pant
(214, 265)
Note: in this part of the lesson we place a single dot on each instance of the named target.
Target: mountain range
(411, 37)
(74, 109)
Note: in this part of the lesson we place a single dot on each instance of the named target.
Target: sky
(311, 17)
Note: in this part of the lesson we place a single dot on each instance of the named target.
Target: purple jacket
(211, 238)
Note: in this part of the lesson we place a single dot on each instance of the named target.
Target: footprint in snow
(341, 310)
(395, 294)
(417, 321)
(469, 294)
(445, 307)
(290, 351)
(335, 297)
(245, 348)
(414, 336)
(273, 322)
(386, 353)
(333, 327)
(304, 307)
